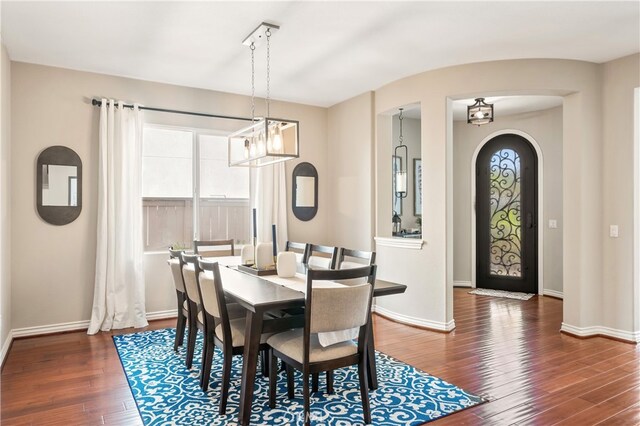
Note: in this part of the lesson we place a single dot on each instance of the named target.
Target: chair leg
(315, 378)
(203, 361)
(191, 340)
(206, 366)
(264, 357)
(330, 382)
(305, 396)
(226, 378)
(290, 383)
(273, 378)
(180, 326)
(364, 389)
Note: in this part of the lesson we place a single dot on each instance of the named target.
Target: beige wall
(429, 272)
(350, 180)
(620, 78)
(5, 196)
(54, 283)
(545, 127)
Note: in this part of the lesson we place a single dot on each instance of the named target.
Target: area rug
(502, 293)
(167, 393)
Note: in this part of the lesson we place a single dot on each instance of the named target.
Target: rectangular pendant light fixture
(267, 140)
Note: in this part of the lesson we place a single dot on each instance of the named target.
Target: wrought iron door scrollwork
(505, 246)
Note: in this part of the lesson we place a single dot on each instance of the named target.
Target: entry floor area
(509, 351)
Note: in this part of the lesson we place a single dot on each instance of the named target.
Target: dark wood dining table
(258, 296)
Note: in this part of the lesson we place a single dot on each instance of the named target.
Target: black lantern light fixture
(401, 173)
(480, 112)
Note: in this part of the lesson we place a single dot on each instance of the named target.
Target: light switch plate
(613, 231)
(553, 224)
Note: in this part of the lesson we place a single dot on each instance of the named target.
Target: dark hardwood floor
(506, 350)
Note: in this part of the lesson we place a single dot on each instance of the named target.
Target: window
(171, 158)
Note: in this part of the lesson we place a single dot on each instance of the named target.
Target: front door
(506, 215)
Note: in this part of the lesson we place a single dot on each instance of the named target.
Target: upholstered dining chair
(347, 259)
(175, 263)
(194, 318)
(214, 248)
(319, 256)
(219, 329)
(327, 309)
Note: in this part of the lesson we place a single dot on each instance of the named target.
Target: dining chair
(327, 309)
(219, 329)
(347, 259)
(175, 263)
(319, 256)
(214, 248)
(194, 318)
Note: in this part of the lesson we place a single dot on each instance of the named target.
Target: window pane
(167, 180)
(167, 163)
(506, 229)
(224, 193)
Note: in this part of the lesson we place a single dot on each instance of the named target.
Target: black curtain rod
(97, 102)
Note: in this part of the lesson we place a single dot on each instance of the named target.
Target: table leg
(372, 373)
(253, 330)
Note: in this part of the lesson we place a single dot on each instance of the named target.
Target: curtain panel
(118, 300)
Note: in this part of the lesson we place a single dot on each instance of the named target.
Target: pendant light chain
(253, 82)
(268, 34)
(400, 118)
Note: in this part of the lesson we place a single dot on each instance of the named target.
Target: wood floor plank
(510, 351)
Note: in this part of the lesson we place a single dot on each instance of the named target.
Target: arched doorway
(507, 215)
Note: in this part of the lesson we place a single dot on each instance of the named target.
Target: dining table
(259, 295)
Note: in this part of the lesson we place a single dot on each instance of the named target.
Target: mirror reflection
(305, 191)
(59, 185)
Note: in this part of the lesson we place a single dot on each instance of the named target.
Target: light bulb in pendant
(246, 148)
(277, 139)
(261, 144)
(252, 149)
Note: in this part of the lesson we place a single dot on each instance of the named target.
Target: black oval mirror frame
(65, 157)
(304, 200)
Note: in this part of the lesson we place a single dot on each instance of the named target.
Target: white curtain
(118, 300)
(269, 197)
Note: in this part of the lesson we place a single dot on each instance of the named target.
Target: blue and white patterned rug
(167, 393)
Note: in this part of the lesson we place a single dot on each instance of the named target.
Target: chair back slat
(214, 248)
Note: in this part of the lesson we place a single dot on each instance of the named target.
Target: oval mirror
(305, 191)
(59, 185)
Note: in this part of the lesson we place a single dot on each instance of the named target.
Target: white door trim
(636, 211)
(536, 146)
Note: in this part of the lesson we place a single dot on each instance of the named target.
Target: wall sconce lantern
(480, 112)
(267, 140)
(401, 173)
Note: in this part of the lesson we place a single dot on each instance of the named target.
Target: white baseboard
(553, 293)
(406, 319)
(462, 284)
(171, 313)
(602, 331)
(5, 346)
(49, 329)
(79, 325)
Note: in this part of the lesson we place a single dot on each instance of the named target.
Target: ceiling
(325, 52)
